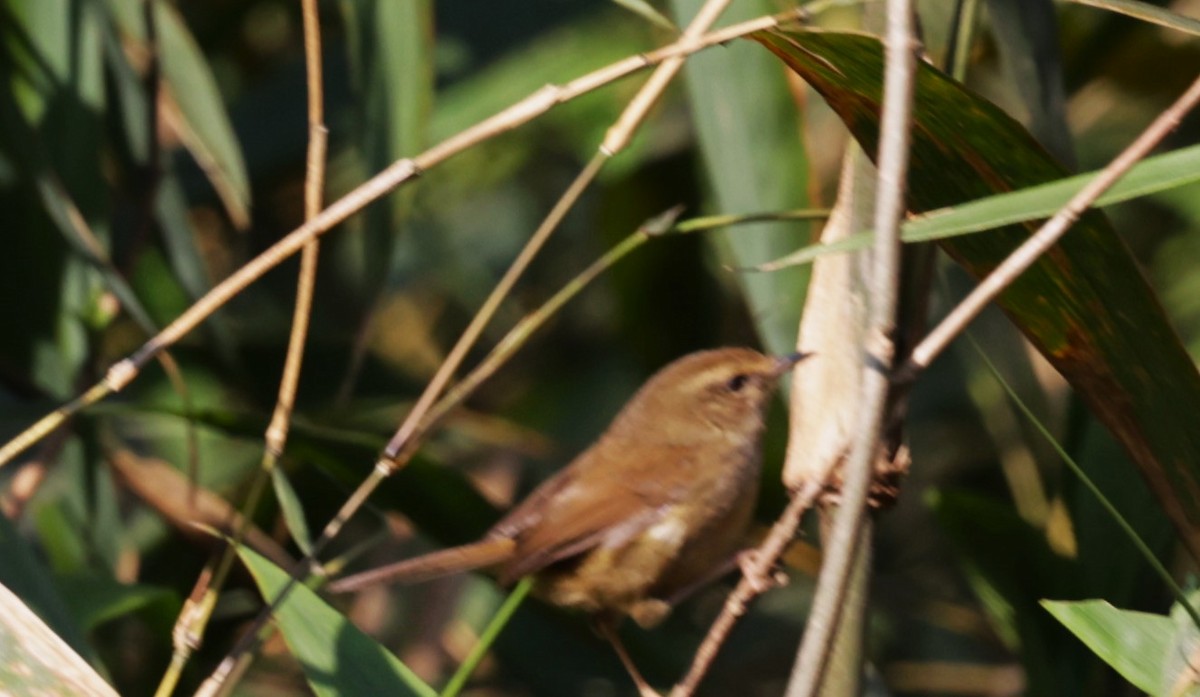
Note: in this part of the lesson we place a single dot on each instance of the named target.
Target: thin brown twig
(756, 579)
(900, 46)
(194, 617)
(1046, 236)
(314, 185)
(396, 174)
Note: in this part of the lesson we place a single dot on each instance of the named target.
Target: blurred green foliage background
(179, 188)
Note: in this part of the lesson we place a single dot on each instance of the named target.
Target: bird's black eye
(737, 382)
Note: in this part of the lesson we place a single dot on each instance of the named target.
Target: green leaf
(647, 12)
(1026, 32)
(391, 52)
(1147, 13)
(54, 84)
(203, 123)
(60, 532)
(170, 206)
(1135, 644)
(97, 598)
(755, 161)
(1153, 175)
(337, 658)
(1085, 305)
(208, 134)
(293, 510)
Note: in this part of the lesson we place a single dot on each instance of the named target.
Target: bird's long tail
(486, 552)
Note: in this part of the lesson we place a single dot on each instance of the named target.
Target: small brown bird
(658, 504)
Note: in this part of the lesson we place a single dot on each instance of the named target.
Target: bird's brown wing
(597, 500)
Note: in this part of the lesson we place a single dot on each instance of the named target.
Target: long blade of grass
(487, 638)
(1154, 175)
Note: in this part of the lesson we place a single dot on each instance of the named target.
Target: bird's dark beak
(785, 363)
